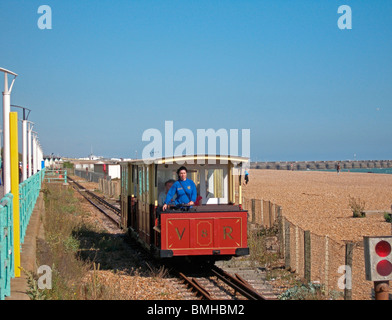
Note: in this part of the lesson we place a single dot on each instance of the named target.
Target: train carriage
(214, 229)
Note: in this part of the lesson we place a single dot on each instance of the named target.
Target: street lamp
(34, 164)
(36, 152)
(29, 154)
(6, 129)
(24, 140)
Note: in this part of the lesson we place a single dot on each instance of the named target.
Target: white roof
(196, 157)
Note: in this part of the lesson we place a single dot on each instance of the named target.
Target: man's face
(168, 186)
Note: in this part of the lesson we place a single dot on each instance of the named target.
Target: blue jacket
(185, 191)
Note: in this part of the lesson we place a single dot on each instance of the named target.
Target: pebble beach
(319, 201)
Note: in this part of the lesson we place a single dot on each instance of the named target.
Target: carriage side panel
(207, 233)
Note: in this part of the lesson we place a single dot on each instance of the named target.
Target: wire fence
(337, 265)
(89, 175)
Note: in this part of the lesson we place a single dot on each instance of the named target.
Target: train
(215, 229)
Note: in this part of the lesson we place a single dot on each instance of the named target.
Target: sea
(363, 170)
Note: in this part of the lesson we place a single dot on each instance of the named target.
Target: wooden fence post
(349, 264)
(307, 256)
(281, 232)
(296, 249)
(270, 213)
(253, 210)
(326, 265)
(287, 261)
(273, 214)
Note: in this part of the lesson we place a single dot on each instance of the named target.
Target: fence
(29, 191)
(6, 246)
(56, 175)
(261, 212)
(89, 175)
(337, 265)
(111, 188)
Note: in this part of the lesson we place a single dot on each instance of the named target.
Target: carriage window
(214, 184)
(195, 177)
(134, 180)
(140, 181)
(124, 179)
(165, 175)
(147, 180)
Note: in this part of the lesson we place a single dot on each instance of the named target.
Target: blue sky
(109, 70)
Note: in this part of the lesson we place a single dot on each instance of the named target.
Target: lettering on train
(227, 233)
(180, 235)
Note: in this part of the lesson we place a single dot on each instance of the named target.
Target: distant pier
(321, 165)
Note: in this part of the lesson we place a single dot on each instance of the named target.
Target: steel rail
(102, 201)
(196, 286)
(241, 286)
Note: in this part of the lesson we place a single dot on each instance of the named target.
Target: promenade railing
(6, 246)
(29, 192)
(56, 175)
(28, 195)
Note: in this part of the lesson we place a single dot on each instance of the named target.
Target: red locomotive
(214, 229)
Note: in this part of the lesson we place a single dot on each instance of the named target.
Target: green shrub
(67, 165)
(388, 217)
(310, 291)
(357, 207)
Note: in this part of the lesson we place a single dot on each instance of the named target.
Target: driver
(184, 188)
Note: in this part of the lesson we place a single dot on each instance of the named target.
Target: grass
(258, 251)
(357, 207)
(66, 236)
(58, 250)
(87, 262)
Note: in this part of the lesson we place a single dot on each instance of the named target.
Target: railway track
(210, 283)
(218, 284)
(109, 210)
